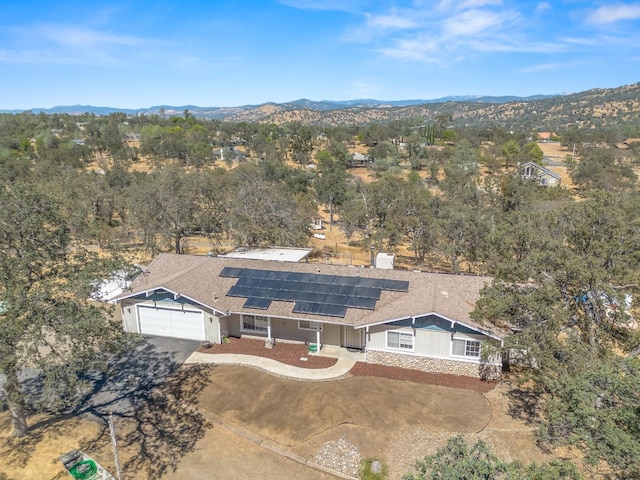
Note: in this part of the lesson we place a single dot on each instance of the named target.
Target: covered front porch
(322, 338)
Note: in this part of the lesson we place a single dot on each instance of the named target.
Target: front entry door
(352, 338)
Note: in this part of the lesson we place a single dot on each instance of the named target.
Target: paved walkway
(340, 369)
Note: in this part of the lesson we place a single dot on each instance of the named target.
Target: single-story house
(359, 160)
(539, 174)
(399, 318)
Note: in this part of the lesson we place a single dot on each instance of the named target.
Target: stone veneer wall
(434, 365)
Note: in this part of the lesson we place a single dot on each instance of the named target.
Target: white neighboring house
(112, 287)
(542, 176)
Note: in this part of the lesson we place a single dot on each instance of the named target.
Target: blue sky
(135, 54)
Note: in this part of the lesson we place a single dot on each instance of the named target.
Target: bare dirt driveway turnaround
(370, 412)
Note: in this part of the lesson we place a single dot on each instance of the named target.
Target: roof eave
(151, 291)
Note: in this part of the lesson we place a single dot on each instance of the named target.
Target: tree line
(564, 261)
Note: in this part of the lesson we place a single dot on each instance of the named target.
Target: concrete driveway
(130, 379)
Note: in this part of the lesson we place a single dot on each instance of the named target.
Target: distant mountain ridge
(223, 112)
(595, 108)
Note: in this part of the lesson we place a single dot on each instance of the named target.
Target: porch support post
(269, 329)
(318, 339)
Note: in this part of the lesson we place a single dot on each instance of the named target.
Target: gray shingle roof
(198, 278)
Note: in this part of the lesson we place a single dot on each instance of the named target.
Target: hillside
(590, 109)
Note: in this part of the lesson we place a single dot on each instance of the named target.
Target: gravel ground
(340, 455)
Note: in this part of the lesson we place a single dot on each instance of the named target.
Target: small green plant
(372, 470)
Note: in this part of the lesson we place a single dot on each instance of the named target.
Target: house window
(466, 348)
(309, 325)
(400, 340)
(254, 323)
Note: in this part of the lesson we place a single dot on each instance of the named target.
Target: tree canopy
(47, 320)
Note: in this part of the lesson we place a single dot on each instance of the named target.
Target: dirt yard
(214, 422)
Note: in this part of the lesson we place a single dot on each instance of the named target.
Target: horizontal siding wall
(426, 342)
(431, 352)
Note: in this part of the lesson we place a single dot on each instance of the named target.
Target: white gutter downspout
(318, 339)
(269, 329)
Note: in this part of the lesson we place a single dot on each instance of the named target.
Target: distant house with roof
(400, 318)
(545, 136)
(359, 160)
(537, 173)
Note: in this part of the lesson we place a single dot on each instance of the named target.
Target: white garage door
(169, 322)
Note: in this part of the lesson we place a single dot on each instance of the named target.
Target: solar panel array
(319, 294)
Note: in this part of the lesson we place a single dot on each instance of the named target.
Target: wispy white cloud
(613, 13)
(542, 7)
(332, 5)
(53, 44)
(515, 45)
(472, 22)
(421, 48)
(543, 67)
(82, 37)
(449, 5)
(391, 22)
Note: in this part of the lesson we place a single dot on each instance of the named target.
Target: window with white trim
(253, 323)
(466, 348)
(309, 325)
(400, 340)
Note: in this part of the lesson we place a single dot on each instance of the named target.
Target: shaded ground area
(152, 440)
(396, 420)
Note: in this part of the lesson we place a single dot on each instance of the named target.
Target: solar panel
(337, 299)
(371, 282)
(252, 272)
(240, 291)
(305, 277)
(264, 292)
(268, 283)
(330, 310)
(324, 279)
(318, 287)
(259, 303)
(248, 281)
(231, 272)
(275, 275)
(325, 309)
(396, 285)
(314, 293)
(311, 297)
(286, 296)
(367, 292)
(361, 302)
(341, 280)
(342, 289)
(293, 276)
